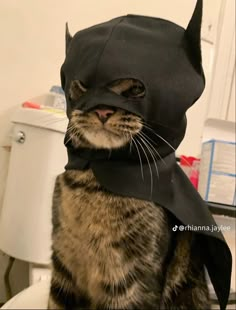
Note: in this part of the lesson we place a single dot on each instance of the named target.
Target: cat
(114, 252)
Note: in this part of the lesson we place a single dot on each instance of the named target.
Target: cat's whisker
(147, 146)
(188, 164)
(72, 127)
(145, 137)
(148, 162)
(76, 137)
(73, 133)
(151, 153)
(110, 152)
(140, 158)
(159, 136)
(50, 122)
(130, 144)
(72, 130)
(68, 140)
(128, 137)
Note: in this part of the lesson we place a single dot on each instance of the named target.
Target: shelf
(221, 209)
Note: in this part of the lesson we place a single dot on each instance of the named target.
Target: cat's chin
(104, 139)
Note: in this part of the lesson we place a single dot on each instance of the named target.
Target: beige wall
(32, 38)
(231, 112)
(32, 45)
(32, 50)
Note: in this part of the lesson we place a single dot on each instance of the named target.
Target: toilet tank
(38, 155)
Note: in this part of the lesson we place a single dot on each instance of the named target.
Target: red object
(190, 166)
(194, 178)
(187, 160)
(31, 105)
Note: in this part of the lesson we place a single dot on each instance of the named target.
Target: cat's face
(105, 127)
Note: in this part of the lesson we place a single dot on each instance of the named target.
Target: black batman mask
(166, 59)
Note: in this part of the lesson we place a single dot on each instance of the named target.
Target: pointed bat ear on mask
(68, 38)
(193, 35)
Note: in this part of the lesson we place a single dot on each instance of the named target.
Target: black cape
(167, 59)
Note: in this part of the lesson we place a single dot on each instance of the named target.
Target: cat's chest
(91, 212)
(104, 235)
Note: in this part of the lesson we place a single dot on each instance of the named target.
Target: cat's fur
(113, 252)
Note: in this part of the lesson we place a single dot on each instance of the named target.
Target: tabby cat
(113, 252)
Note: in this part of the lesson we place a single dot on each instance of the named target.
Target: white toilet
(38, 155)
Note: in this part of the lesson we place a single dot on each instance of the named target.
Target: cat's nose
(104, 114)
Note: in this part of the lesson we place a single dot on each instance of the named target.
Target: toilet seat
(33, 297)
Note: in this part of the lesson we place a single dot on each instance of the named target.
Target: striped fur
(112, 252)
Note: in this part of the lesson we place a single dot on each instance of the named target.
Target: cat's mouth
(103, 127)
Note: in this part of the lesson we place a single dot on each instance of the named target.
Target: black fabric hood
(167, 59)
(159, 53)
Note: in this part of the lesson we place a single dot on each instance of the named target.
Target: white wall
(32, 38)
(32, 51)
(231, 113)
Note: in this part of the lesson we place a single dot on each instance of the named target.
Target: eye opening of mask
(76, 90)
(129, 88)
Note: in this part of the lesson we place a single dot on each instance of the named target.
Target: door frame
(224, 63)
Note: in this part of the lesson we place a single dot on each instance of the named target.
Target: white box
(217, 172)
